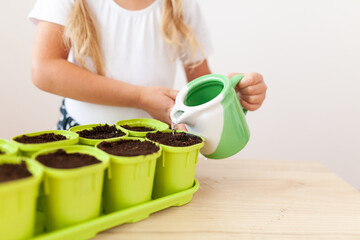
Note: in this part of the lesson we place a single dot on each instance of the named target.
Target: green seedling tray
(93, 142)
(143, 122)
(89, 229)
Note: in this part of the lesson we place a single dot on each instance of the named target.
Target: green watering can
(209, 107)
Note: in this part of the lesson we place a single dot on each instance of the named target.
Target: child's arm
(198, 71)
(52, 73)
(252, 87)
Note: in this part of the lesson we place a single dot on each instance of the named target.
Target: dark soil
(43, 138)
(138, 128)
(101, 132)
(63, 160)
(129, 147)
(10, 172)
(1, 152)
(178, 139)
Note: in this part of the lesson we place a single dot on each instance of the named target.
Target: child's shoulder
(58, 11)
(189, 4)
(55, 11)
(190, 9)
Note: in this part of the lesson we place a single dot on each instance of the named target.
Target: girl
(115, 59)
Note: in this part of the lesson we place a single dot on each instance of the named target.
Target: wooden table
(252, 199)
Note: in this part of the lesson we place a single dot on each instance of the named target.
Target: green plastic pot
(93, 142)
(18, 201)
(73, 196)
(29, 149)
(129, 181)
(9, 148)
(143, 122)
(175, 169)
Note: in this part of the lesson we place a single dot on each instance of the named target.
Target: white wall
(23, 108)
(308, 52)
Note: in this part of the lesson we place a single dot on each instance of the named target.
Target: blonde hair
(82, 35)
(176, 32)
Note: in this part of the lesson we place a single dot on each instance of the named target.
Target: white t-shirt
(132, 46)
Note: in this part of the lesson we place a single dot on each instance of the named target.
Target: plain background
(308, 52)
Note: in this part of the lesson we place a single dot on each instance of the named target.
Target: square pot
(73, 195)
(129, 180)
(175, 168)
(143, 122)
(93, 142)
(9, 148)
(18, 201)
(28, 149)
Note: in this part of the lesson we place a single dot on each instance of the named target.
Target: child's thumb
(173, 93)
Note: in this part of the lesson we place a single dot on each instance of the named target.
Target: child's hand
(252, 89)
(158, 102)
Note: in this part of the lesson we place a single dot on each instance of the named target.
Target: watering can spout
(181, 113)
(182, 116)
(176, 116)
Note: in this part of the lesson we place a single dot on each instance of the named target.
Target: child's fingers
(249, 106)
(250, 79)
(251, 90)
(259, 88)
(234, 74)
(253, 99)
(181, 127)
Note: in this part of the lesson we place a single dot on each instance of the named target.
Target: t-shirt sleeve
(193, 17)
(55, 11)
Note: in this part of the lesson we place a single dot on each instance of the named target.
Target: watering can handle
(234, 82)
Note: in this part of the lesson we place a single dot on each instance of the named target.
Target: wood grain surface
(256, 199)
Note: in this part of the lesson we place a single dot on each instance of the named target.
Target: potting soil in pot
(10, 172)
(129, 147)
(101, 132)
(138, 128)
(43, 138)
(63, 160)
(178, 139)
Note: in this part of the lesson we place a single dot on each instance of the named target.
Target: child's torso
(133, 51)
